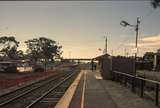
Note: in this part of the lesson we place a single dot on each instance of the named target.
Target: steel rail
(50, 90)
(20, 95)
(28, 85)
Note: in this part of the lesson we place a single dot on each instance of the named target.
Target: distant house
(8, 66)
(15, 66)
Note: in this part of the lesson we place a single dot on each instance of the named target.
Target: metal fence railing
(137, 82)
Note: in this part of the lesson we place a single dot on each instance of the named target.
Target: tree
(155, 3)
(20, 54)
(9, 46)
(33, 50)
(149, 56)
(43, 48)
(49, 48)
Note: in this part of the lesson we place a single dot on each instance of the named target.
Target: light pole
(124, 24)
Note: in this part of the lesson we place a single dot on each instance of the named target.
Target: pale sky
(80, 26)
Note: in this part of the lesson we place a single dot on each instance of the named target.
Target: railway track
(8, 96)
(29, 96)
(52, 97)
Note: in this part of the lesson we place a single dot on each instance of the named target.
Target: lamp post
(125, 24)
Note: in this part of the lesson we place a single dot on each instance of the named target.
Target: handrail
(148, 80)
(157, 83)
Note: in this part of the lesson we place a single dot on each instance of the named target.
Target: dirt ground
(11, 79)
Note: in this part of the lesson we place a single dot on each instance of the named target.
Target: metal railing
(136, 81)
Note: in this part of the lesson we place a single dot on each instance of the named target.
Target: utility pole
(137, 29)
(106, 44)
(124, 24)
(105, 50)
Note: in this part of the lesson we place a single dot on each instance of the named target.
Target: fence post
(114, 75)
(133, 84)
(142, 88)
(157, 94)
(120, 79)
(125, 81)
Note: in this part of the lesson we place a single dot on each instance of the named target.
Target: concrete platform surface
(94, 92)
(124, 98)
(90, 94)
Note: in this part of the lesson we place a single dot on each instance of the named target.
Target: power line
(122, 43)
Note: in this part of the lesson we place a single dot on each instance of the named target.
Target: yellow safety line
(83, 92)
(66, 99)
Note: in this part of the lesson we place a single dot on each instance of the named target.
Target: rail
(50, 90)
(124, 76)
(54, 78)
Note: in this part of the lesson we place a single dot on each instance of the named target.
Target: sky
(81, 26)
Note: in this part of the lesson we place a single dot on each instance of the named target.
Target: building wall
(123, 64)
(105, 67)
(109, 64)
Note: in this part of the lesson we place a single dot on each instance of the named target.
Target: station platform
(89, 90)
